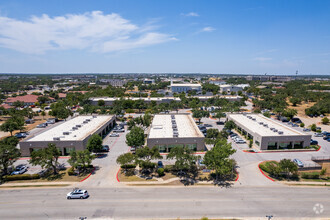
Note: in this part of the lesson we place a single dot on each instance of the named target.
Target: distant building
(180, 87)
(69, 135)
(148, 81)
(232, 88)
(114, 82)
(268, 134)
(217, 82)
(175, 130)
(27, 99)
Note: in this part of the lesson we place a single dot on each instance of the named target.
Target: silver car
(77, 194)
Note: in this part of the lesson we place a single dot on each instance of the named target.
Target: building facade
(178, 88)
(175, 130)
(69, 135)
(268, 134)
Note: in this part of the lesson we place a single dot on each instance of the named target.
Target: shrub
(160, 172)
(128, 166)
(312, 175)
(302, 125)
(71, 171)
(323, 171)
(264, 168)
(168, 168)
(21, 177)
(313, 127)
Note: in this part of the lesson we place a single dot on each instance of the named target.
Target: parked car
(43, 125)
(298, 162)
(318, 135)
(50, 121)
(21, 135)
(314, 142)
(219, 123)
(114, 135)
(105, 148)
(240, 141)
(233, 135)
(207, 125)
(326, 136)
(20, 169)
(295, 125)
(296, 120)
(119, 130)
(160, 164)
(306, 130)
(77, 194)
(133, 150)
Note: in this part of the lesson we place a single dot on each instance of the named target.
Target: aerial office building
(269, 134)
(180, 87)
(69, 135)
(175, 130)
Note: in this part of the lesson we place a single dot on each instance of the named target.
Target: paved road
(166, 202)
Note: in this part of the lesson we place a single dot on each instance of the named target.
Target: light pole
(269, 217)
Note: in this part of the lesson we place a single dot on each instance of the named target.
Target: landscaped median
(170, 176)
(310, 149)
(287, 171)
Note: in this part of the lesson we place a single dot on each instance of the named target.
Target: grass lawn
(168, 176)
(133, 178)
(61, 177)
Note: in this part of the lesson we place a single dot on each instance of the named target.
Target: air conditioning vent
(280, 132)
(66, 133)
(56, 138)
(78, 126)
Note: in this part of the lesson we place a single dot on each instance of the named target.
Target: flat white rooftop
(185, 84)
(86, 129)
(264, 126)
(161, 127)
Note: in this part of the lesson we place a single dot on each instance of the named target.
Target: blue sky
(148, 36)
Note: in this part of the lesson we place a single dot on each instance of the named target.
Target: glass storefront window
(298, 144)
(161, 148)
(285, 145)
(192, 146)
(272, 145)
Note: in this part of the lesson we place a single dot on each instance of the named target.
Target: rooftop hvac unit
(78, 126)
(249, 117)
(94, 116)
(74, 128)
(175, 135)
(88, 120)
(280, 132)
(56, 138)
(261, 123)
(253, 119)
(265, 125)
(275, 130)
(272, 129)
(66, 133)
(85, 122)
(175, 129)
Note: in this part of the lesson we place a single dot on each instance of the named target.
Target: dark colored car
(160, 164)
(314, 142)
(105, 148)
(20, 135)
(219, 123)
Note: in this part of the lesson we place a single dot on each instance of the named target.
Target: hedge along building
(268, 134)
(175, 130)
(69, 135)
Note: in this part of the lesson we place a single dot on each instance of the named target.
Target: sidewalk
(9, 184)
(305, 183)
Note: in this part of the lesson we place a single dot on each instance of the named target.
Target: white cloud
(191, 14)
(208, 29)
(262, 59)
(92, 30)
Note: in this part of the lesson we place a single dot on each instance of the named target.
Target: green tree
(46, 157)
(199, 114)
(220, 115)
(230, 125)
(313, 127)
(9, 153)
(18, 104)
(9, 126)
(84, 159)
(302, 125)
(145, 155)
(101, 102)
(288, 167)
(218, 159)
(125, 159)
(295, 101)
(59, 110)
(43, 99)
(94, 143)
(290, 113)
(325, 120)
(212, 133)
(135, 138)
(266, 114)
(184, 159)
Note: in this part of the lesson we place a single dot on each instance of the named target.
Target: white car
(240, 141)
(318, 135)
(119, 130)
(77, 194)
(114, 135)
